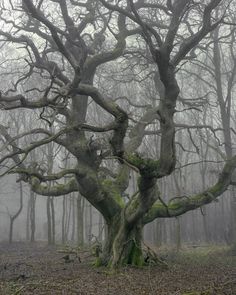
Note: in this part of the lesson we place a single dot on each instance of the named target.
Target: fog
(209, 225)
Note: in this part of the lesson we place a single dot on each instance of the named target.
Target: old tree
(63, 49)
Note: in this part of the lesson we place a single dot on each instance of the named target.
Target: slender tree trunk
(194, 236)
(14, 217)
(49, 222)
(86, 223)
(73, 218)
(80, 221)
(32, 216)
(53, 220)
(50, 200)
(63, 237)
(68, 219)
(205, 224)
(100, 227)
(178, 234)
(11, 230)
(90, 223)
(28, 220)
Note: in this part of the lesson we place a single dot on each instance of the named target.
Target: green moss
(120, 202)
(148, 167)
(132, 206)
(56, 190)
(97, 262)
(136, 256)
(111, 188)
(174, 206)
(151, 215)
(135, 159)
(217, 189)
(123, 178)
(109, 264)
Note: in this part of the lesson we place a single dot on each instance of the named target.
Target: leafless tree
(65, 50)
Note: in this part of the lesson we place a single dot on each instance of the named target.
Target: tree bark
(13, 217)
(80, 221)
(53, 220)
(63, 237)
(32, 216)
(123, 243)
(49, 222)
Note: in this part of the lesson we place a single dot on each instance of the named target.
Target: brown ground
(38, 269)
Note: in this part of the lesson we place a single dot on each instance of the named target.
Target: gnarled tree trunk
(123, 243)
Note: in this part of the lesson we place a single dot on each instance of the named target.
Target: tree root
(151, 257)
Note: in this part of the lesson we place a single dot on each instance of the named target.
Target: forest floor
(39, 269)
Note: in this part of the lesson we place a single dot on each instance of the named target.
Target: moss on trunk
(123, 244)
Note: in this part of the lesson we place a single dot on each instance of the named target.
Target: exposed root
(151, 257)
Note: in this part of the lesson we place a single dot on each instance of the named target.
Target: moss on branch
(55, 190)
(112, 189)
(180, 205)
(148, 167)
